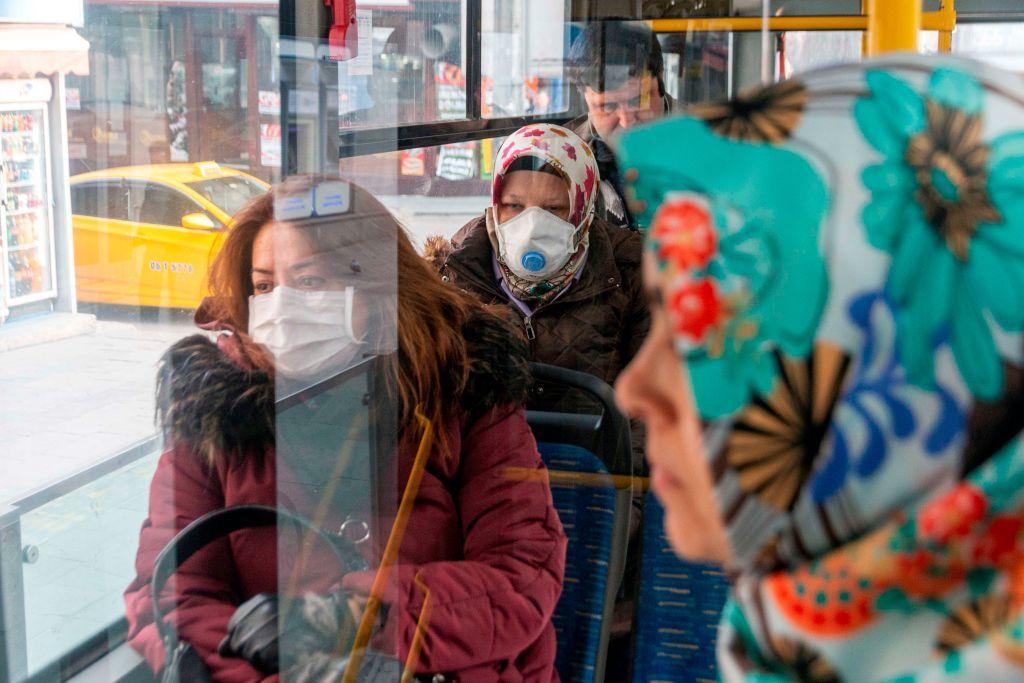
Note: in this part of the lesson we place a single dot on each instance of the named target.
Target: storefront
(36, 260)
(183, 81)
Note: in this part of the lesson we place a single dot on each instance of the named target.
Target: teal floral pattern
(949, 207)
(761, 286)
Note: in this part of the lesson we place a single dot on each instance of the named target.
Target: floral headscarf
(568, 154)
(844, 269)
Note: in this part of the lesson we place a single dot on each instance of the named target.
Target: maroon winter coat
(490, 549)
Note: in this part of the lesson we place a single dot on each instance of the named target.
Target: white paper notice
(362, 65)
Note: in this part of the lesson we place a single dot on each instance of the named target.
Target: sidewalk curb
(48, 328)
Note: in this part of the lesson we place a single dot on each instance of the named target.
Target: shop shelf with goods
(25, 199)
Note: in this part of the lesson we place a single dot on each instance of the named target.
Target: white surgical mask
(309, 334)
(535, 244)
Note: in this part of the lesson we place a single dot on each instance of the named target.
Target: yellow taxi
(145, 235)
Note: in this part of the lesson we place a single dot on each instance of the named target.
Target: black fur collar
(210, 403)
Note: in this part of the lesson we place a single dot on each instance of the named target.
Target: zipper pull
(528, 323)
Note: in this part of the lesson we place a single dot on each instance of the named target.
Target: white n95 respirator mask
(535, 244)
(309, 334)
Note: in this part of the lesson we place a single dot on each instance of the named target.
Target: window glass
(101, 200)
(432, 190)
(158, 204)
(697, 65)
(91, 295)
(800, 51)
(679, 9)
(230, 193)
(998, 44)
(524, 46)
(85, 200)
(409, 68)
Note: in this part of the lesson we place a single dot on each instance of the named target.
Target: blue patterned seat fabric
(587, 514)
(678, 610)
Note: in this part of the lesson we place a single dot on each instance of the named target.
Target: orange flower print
(829, 598)
(685, 233)
(952, 515)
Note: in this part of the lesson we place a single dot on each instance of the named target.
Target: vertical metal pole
(865, 49)
(61, 198)
(766, 54)
(286, 36)
(948, 11)
(327, 77)
(945, 41)
(13, 641)
(893, 25)
(473, 51)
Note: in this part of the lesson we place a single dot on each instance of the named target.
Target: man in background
(617, 66)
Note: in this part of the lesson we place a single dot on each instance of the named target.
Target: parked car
(145, 235)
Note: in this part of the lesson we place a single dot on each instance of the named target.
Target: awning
(29, 50)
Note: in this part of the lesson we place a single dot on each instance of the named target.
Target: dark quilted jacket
(596, 327)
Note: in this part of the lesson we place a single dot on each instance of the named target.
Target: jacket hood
(218, 405)
(436, 250)
(206, 399)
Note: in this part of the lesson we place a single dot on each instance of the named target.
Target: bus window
(410, 67)
(524, 46)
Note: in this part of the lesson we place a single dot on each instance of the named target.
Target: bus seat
(588, 460)
(587, 513)
(677, 611)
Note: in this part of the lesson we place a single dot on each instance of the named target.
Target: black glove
(314, 623)
(377, 667)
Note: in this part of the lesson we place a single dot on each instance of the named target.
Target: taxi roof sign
(206, 169)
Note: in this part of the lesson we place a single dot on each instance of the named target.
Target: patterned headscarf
(572, 158)
(843, 264)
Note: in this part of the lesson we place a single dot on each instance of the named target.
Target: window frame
(378, 139)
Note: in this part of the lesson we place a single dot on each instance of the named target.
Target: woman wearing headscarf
(838, 267)
(568, 279)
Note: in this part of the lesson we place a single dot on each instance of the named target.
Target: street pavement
(71, 402)
(67, 405)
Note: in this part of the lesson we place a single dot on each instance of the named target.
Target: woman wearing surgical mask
(301, 291)
(569, 280)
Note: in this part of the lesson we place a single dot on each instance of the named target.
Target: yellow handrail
(947, 9)
(416, 646)
(941, 20)
(579, 479)
(390, 556)
(893, 25)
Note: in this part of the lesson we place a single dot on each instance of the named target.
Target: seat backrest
(605, 434)
(587, 512)
(677, 612)
(589, 460)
